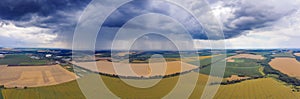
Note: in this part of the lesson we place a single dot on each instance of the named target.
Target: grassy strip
(1, 96)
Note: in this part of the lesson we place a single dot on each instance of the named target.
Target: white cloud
(27, 36)
(282, 34)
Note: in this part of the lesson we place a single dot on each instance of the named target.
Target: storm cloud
(55, 20)
(242, 16)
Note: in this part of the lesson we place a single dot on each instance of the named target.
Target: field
(33, 76)
(289, 66)
(143, 57)
(236, 78)
(206, 60)
(251, 89)
(248, 66)
(284, 54)
(297, 54)
(265, 88)
(248, 56)
(21, 60)
(138, 70)
(241, 66)
(185, 59)
(68, 90)
(1, 97)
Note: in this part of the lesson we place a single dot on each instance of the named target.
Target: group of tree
(143, 77)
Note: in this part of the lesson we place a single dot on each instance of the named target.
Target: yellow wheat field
(138, 70)
(33, 76)
(289, 66)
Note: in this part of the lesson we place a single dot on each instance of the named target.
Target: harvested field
(138, 70)
(297, 54)
(33, 76)
(265, 88)
(124, 53)
(248, 56)
(236, 78)
(289, 66)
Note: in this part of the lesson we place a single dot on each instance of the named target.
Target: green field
(207, 61)
(21, 60)
(241, 66)
(286, 54)
(1, 97)
(252, 89)
(265, 88)
(68, 90)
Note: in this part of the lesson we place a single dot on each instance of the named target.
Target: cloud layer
(239, 16)
(42, 23)
(42, 18)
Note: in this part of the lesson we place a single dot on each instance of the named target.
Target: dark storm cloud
(247, 15)
(250, 15)
(21, 9)
(60, 16)
(52, 14)
(129, 11)
(140, 7)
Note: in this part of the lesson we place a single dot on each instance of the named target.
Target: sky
(245, 23)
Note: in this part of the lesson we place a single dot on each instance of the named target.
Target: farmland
(143, 57)
(265, 88)
(284, 54)
(297, 54)
(258, 88)
(289, 66)
(1, 97)
(240, 66)
(33, 76)
(206, 60)
(69, 90)
(21, 60)
(138, 70)
(248, 56)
